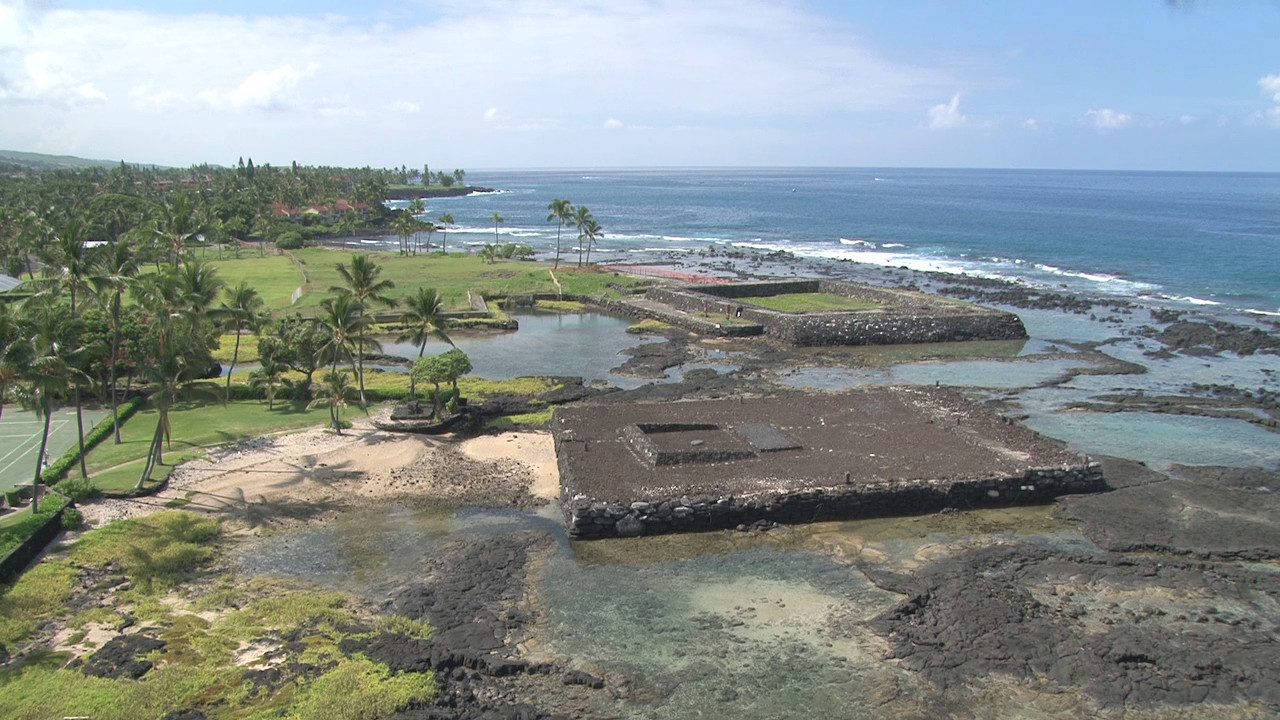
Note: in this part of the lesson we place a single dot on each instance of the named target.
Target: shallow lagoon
(772, 626)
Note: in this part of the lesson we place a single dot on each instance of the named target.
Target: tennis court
(20, 440)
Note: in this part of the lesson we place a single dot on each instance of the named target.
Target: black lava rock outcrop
(1127, 632)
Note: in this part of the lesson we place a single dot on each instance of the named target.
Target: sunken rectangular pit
(631, 470)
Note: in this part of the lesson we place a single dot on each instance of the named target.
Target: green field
(452, 275)
(273, 276)
(810, 302)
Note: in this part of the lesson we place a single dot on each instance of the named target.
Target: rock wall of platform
(907, 318)
(890, 328)
(591, 520)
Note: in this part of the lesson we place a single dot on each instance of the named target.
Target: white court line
(35, 445)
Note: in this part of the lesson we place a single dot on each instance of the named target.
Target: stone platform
(677, 467)
(898, 316)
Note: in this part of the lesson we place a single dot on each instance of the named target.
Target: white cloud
(613, 124)
(1187, 119)
(491, 114)
(42, 77)
(1031, 124)
(1105, 119)
(728, 66)
(947, 115)
(1270, 85)
(274, 89)
(405, 107)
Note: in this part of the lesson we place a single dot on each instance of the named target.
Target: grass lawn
(195, 426)
(810, 302)
(274, 277)
(451, 275)
(248, 349)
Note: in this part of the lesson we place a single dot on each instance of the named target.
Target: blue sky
(1121, 84)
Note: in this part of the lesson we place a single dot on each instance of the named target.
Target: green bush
(13, 497)
(77, 489)
(291, 240)
(72, 519)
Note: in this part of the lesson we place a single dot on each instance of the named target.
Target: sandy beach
(282, 479)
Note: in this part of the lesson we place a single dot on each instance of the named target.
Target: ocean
(1206, 240)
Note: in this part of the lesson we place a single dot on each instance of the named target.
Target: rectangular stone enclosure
(640, 469)
(895, 316)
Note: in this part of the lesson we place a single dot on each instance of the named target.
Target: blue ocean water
(1177, 238)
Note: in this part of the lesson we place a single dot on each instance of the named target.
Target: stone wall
(587, 520)
(905, 317)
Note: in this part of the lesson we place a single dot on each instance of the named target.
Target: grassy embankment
(156, 573)
(810, 302)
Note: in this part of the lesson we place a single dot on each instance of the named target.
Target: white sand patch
(535, 450)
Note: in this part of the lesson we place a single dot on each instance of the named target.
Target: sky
(476, 84)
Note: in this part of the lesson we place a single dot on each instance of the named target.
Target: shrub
(77, 489)
(72, 519)
(13, 497)
(291, 240)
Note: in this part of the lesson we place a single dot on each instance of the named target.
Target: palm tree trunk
(75, 392)
(115, 356)
(556, 265)
(235, 355)
(153, 453)
(44, 445)
(360, 358)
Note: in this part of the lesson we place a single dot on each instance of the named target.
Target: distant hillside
(40, 161)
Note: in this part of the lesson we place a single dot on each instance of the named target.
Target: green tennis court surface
(20, 440)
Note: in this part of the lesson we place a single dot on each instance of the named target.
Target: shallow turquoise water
(1001, 374)
(1160, 440)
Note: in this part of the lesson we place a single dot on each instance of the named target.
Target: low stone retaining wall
(905, 317)
(588, 521)
(649, 310)
(20, 557)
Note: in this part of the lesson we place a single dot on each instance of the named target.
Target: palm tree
(177, 226)
(116, 269)
(347, 223)
(48, 373)
(404, 225)
(15, 352)
(424, 319)
(430, 230)
(335, 393)
(360, 280)
(582, 218)
(415, 209)
(241, 309)
(446, 221)
(341, 322)
(562, 212)
(592, 232)
(496, 220)
(489, 253)
(268, 377)
(68, 267)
